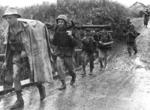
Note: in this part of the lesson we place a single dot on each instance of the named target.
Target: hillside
(138, 6)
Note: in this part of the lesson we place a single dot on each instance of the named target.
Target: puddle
(138, 62)
(141, 70)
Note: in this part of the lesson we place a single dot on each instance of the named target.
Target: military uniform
(64, 45)
(87, 55)
(130, 40)
(104, 37)
(146, 17)
(22, 49)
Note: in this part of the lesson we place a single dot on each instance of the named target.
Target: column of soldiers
(63, 43)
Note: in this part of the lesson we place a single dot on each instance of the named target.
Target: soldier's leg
(84, 70)
(61, 72)
(68, 61)
(101, 56)
(129, 50)
(105, 57)
(8, 79)
(84, 62)
(91, 58)
(17, 85)
(41, 89)
(134, 47)
(54, 70)
(101, 63)
(73, 75)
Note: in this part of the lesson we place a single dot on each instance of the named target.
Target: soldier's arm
(8, 51)
(108, 43)
(110, 40)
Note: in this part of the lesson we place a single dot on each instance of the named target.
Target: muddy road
(123, 85)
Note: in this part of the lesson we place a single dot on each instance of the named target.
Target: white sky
(131, 2)
(22, 3)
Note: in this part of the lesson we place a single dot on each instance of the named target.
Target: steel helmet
(11, 11)
(62, 17)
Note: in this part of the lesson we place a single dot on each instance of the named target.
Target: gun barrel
(93, 26)
(107, 31)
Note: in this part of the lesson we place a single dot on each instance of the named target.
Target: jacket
(34, 38)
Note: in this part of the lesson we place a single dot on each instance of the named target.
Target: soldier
(128, 22)
(65, 44)
(88, 49)
(130, 40)
(22, 44)
(105, 41)
(146, 17)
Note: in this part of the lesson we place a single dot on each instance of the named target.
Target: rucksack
(88, 44)
(105, 38)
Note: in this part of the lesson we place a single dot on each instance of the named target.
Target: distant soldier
(127, 23)
(64, 44)
(146, 17)
(104, 44)
(130, 40)
(88, 49)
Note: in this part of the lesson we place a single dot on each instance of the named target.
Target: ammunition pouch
(16, 46)
(65, 52)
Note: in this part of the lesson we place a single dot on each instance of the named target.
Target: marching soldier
(65, 43)
(88, 49)
(104, 44)
(22, 45)
(146, 17)
(131, 40)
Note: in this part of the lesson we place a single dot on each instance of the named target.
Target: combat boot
(135, 51)
(129, 51)
(41, 89)
(73, 78)
(91, 73)
(101, 63)
(19, 103)
(63, 86)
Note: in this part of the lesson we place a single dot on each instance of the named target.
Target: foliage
(82, 12)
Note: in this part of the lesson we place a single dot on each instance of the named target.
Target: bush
(81, 12)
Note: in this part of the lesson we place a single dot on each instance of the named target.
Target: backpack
(88, 44)
(106, 37)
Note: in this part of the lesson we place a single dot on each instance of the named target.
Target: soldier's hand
(69, 33)
(100, 42)
(4, 65)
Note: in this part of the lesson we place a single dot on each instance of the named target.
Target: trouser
(53, 62)
(146, 22)
(64, 65)
(17, 71)
(16, 77)
(103, 54)
(8, 80)
(20, 67)
(87, 57)
(130, 47)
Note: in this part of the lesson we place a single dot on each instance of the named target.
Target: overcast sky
(22, 3)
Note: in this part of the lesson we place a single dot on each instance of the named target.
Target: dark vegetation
(81, 12)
